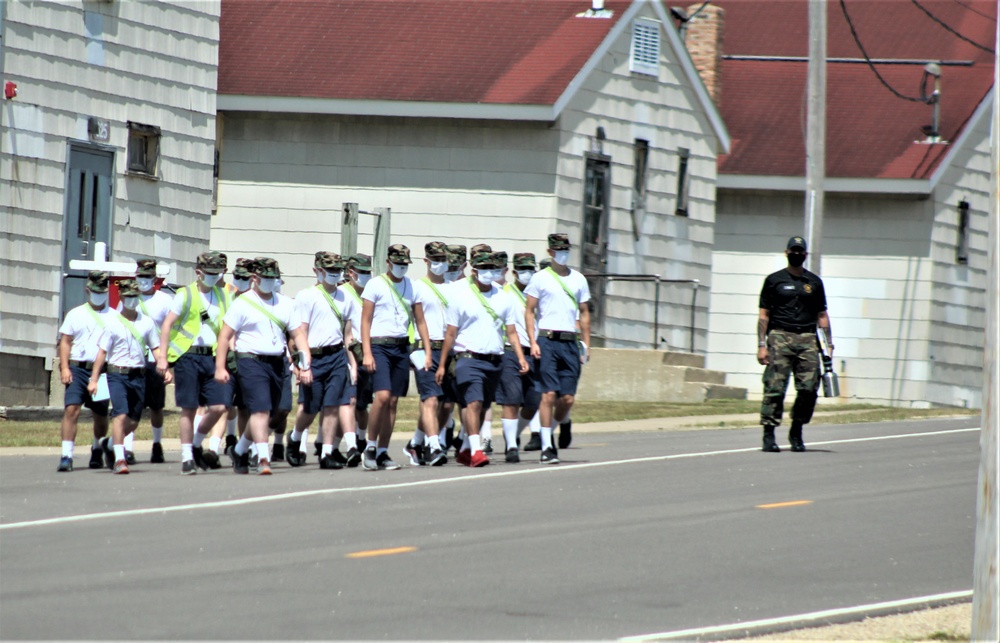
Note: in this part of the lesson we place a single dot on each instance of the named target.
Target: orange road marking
(371, 553)
(779, 505)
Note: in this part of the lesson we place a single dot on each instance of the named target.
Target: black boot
(770, 446)
(795, 437)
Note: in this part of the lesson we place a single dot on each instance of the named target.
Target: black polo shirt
(793, 302)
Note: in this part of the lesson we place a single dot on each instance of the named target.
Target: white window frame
(644, 56)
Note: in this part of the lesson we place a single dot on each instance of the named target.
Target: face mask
(210, 280)
(145, 283)
(99, 299)
(278, 284)
(486, 277)
(439, 267)
(561, 257)
(796, 259)
(524, 276)
(363, 279)
(399, 271)
(268, 284)
(452, 275)
(333, 278)
(130, 303)
(242, 285)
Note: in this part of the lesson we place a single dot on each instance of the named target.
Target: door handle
(84, 248)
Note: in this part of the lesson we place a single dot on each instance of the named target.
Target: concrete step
(676, 358)
(692, 374)
(723, 392)
(649, 376)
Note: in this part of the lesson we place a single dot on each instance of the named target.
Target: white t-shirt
(209, 301)
(391, 317)
(155, 306)
(519, 304)
(434, 308)
(85, 329)
(255, 331)
(344, 292)
(477, 330)
(122, 347)
(325, 329)
(557, 310)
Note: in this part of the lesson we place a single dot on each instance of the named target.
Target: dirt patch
(950, 623)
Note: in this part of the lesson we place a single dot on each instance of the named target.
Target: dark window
(683, 180)
(143, 148)
(962, 250)
(641, 163)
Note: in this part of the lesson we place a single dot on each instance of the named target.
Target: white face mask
(278, 284)
(333, 278)
(363, 279)
(561, 257)
(145, 283)
(242, 285)
(399, 271)
(130, 303)
(268, 284)
(452, 275)
(210, 280)
(439, 267)
(524, 276)
(98, 299)
(486, 277)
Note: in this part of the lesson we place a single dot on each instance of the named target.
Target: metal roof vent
(596, 10)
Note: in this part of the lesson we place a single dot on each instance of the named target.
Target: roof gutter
(416, 109)
(915, 187)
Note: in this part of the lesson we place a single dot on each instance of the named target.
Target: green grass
(42, 433)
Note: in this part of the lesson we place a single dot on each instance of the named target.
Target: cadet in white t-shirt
(260, 321)
(561, 295)
(392, 309)
(78, 337)
(480, 320)
(129, 339)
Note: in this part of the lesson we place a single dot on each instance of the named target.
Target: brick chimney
(704, 41)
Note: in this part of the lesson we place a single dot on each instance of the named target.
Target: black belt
(126, 370)
(486, 357)
(323, 351)
(559, 335)
(787, 329)
(86, 365)
(390, 341)
(262, 358)
(201, 350)
(436, 344)
(524, 349)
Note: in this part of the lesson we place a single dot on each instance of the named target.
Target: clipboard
(102, 393)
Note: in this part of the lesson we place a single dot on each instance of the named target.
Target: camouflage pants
(790, 353)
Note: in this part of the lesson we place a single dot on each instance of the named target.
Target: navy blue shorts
(285, 403)
(331, 385)
(195, 385)
(156, 390)
(516, 389)
(261, 382)
(559, 366)
(392, 369)
(77, 393)
(428, 387)
(128, 392)
(362, 389)
(234, 381)
(477, 380)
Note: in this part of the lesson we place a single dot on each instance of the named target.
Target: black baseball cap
(796, 242)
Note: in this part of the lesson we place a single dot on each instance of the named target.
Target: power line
(949, 29)
(868, 59)
(976, 11)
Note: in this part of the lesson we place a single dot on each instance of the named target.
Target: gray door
(88, 215)
(596, 205)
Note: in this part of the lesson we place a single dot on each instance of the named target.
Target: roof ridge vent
(596, 10)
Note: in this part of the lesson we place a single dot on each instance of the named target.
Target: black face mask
(796, 259)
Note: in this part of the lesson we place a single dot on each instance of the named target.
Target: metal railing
(657, 281)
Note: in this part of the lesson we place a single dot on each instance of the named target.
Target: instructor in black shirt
(792, 307)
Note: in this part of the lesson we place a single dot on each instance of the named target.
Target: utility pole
(816, 134)
(984, 575)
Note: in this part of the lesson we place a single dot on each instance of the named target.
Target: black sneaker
(130, 457)
(319, 448)
(488, 446)
(415, 454)
(339, 457)
(449, 436)
(211, 458)
(189, 468)
(385, 463)
(109, 453)
(96, 458)
(199, 458)
(65, 464)
(436, 458)
(157, 455)
(294, 457)
(230, 444)
(565, 434)
(327, 462)
(353, 457)
(368, 460)
(278, 452)
(535, 443)
(241, 463)
(549, 456)
(513, 456)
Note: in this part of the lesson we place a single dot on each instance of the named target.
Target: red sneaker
(263, 467)
(478, 459)
(464, 457)
(121, 467)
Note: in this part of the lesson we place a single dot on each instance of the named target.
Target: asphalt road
(635, 533)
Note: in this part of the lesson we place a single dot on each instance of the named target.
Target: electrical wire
(949, 29)
(703, 5)
(868, 59)
(975, 11)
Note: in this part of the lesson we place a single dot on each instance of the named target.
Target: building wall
(152, 63)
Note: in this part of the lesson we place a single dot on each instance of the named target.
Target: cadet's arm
(763, 318)
(96, 372)
(65, 346)
(449, 342)
(367, 314)
(823, 321)
(585, 324)
(168, 323)
(425, 338)
(529, 324)
(226, 334)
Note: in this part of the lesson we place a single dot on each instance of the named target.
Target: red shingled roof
(456, 51)
(870, 132)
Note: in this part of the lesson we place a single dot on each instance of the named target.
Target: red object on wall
(114, 298)
(9, 90)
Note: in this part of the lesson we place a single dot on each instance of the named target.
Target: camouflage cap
(266, 267)
(398, 253)
(484, 260)
(524, 260)
(97, 281)
(436, 251)
(558, 241)
(212, 262)
(456, 254)
(544, 263)
(128, 288)
(479, 247)
(328, 261)
(243, 268)
(360, 262)
(501, 257)
(796, 242)
(145, 268)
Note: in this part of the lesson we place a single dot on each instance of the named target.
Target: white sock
(434, 443)
(157, 433)
(231, 427)
(243, 445)
(463, 434)
(371, 444)
(253, 449)
(186, 453)
(327, 450)
(119, 452)
(214, 443)
(451, 423)
(263, 452)
(536, 423)
(129, 442)
(197, 422)
(486, 430)
(546, 437)
(474, 443)
(336, 442)
(510, 433)
(67, 448)
(97, 444)
(296, 435)
(465, 443)
(351, 439)
(304, 442)
(379, 451)
(198, 439)
(362, 434)
(419, 437)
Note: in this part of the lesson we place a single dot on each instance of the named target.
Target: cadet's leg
(807, 378)
(775, 379)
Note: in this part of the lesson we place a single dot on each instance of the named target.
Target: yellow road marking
(381, 552)
(779, 505)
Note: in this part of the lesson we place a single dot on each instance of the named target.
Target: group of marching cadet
(350, 341)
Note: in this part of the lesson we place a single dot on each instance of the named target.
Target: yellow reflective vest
(188, 324)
